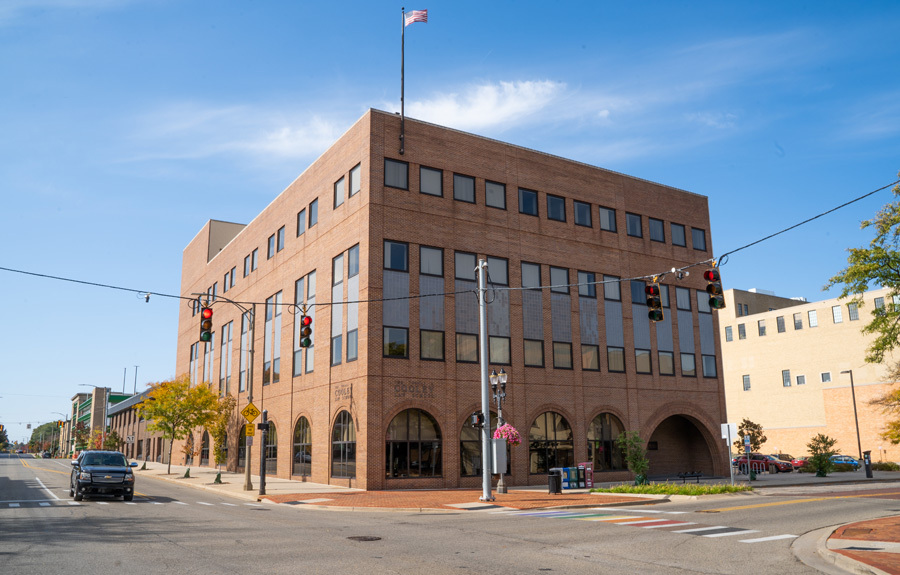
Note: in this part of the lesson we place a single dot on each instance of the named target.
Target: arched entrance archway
(678, 445)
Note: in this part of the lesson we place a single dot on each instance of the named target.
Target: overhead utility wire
(724, 256)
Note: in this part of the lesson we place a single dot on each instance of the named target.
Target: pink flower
(509, 433)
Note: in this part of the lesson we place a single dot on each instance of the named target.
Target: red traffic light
(206, 324)
(651, 290)
(305, 331)
(711, 275)
(206, 313)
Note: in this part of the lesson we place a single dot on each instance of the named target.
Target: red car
(760, 462)
(799, 462)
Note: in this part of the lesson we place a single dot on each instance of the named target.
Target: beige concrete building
(786, 364)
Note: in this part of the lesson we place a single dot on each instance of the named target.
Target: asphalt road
(173, 529)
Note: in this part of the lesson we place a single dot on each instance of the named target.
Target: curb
(812, 549)
(238, 495)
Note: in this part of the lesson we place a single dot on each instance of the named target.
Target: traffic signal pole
(248, 485)
(486, 460)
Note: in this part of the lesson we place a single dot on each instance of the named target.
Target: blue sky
(126, 124)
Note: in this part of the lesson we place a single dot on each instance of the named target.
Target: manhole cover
(364, 538)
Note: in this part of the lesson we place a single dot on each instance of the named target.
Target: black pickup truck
(102, 472)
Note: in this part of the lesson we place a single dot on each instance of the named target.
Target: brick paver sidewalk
(885, 530)
(445, 499)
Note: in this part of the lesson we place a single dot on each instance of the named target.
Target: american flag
(416, 16)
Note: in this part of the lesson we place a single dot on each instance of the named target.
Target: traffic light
(59, 423)
(305, 330)
(653, 301)
(206, 314)
(714, 288)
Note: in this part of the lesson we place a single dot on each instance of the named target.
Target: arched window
(343, 446)
(302, 448)
(413, 445)
(470, 449)
(204, 449)
(602, 448)
(189, 450)
(550, 443)
(272, 450)
(242, 452)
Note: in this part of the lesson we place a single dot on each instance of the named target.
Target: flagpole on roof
(402, 50)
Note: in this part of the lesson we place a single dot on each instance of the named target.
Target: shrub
(885, 466)
(675, 489)
(821, 448)
(843, 467)
(632, 446)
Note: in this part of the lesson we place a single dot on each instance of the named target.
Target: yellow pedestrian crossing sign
(250, 412)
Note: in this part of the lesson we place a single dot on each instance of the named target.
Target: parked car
(760, 462)
(799, 462)
(45, 455)
(101, 472)
(784, 456)
(846, 460)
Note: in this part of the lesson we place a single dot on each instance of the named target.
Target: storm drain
(364, 538)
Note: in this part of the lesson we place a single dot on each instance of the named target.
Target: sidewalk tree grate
(364, 538)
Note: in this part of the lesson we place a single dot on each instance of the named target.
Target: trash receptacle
(554, 481)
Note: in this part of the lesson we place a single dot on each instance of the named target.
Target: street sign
(129, 439)
(250, 412)
(729, 430)
(249, 430)
(747, 443)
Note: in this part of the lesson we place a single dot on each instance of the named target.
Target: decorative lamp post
(499, 396)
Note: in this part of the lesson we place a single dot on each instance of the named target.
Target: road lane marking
(793, 501)
(230, 504)
(44, 487)
(179, 502)
(14, 505)
(203, 503)
(697, 529)
(620, 510)
(670, 524)
(638, 522)
(772, 538)
(737, 531)
(44, 504)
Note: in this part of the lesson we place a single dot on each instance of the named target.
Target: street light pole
(855, 417)
(485, 392)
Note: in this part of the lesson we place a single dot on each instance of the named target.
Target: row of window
(837, 316)
(786, 379)
(431, 182)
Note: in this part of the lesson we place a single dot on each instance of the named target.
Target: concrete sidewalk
(862, 547)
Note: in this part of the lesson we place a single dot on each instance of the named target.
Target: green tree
(175, 407)
(81, 434)
(632, 447)
(821, 448)
(218, 427)
(4, 439)
(755, 431)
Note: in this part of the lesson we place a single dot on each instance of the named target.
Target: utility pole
(486, 459)
(248, 485)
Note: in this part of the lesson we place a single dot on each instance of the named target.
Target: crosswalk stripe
(74, 503)
(730, 533)
(670, 524)
(179, 502)
(772, 538)
(44, 504)
(103, 503)
(229, 504)
(696, 529)
(640, 521)
(14, 505)
(204, 503)
(620, 510)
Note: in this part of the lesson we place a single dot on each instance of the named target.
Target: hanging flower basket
(509, 433)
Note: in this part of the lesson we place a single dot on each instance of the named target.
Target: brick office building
(382, 247)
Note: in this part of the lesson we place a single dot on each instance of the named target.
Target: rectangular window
(396, 256)
(813, 318)
(396, 174)
(464, 265)
(396, 342)
(562, 355)
(836, 314)
(531, 275)
(642, 363)
(279, 239)
(746, 383)
(464, 188)
(498, 350)
(742, 332)
(826, 376)
(528, 202)
(779, 324)
(879, 303)
(611, 288)
(431, 181)
(467, 348)
(556, 208)
(559, 280)
(339, 189)
(698, 237)
(590, 357)
(586, 284)
(534, 353)
(633, 225)
(353, 261)
(683, 298)
(337, 346)
(583, 214)
(301, 222)
(761, 324)
(247, 265)
(495, 195)
(729, 335)
(666, 363)
(352, 345)
(225, 282)
(615, 358)
(678, 235)
(271, 249)
(355, 180)
(639, 293)
(853, 311)
(498, 271)
(801, 380)
(709, 365)
(313, 212)
(746, 309)
(431, 261)
(798, 321)
(431, 345)
(657, 230)
(254, 260)
(231, 277)
(688, 365)
(786, 377)
(608, 219)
